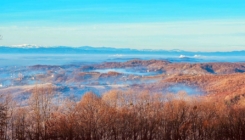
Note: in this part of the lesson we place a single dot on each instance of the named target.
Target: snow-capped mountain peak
(25, 46)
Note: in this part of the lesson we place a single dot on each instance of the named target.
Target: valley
(162, 76)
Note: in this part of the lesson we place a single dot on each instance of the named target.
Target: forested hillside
(121, 115)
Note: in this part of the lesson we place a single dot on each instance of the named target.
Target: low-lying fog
(63, 59)
(128, 71)
(66, 72)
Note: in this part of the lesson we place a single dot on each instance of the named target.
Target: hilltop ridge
(35, 49)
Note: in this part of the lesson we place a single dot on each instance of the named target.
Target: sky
(193, 25)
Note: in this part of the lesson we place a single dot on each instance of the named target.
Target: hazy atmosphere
(202, 25)
(122, 70)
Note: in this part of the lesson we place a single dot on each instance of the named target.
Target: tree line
(120, 115)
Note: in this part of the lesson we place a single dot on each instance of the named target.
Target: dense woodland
(120, 115)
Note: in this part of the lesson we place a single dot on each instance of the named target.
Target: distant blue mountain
(106, 50)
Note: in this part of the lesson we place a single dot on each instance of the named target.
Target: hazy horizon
(185, 25)
(34, 46)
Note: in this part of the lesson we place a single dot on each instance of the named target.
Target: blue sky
(196, 25)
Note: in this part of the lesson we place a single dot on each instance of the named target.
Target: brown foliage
(122, 115)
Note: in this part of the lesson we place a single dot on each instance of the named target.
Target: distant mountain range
(28, 49)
